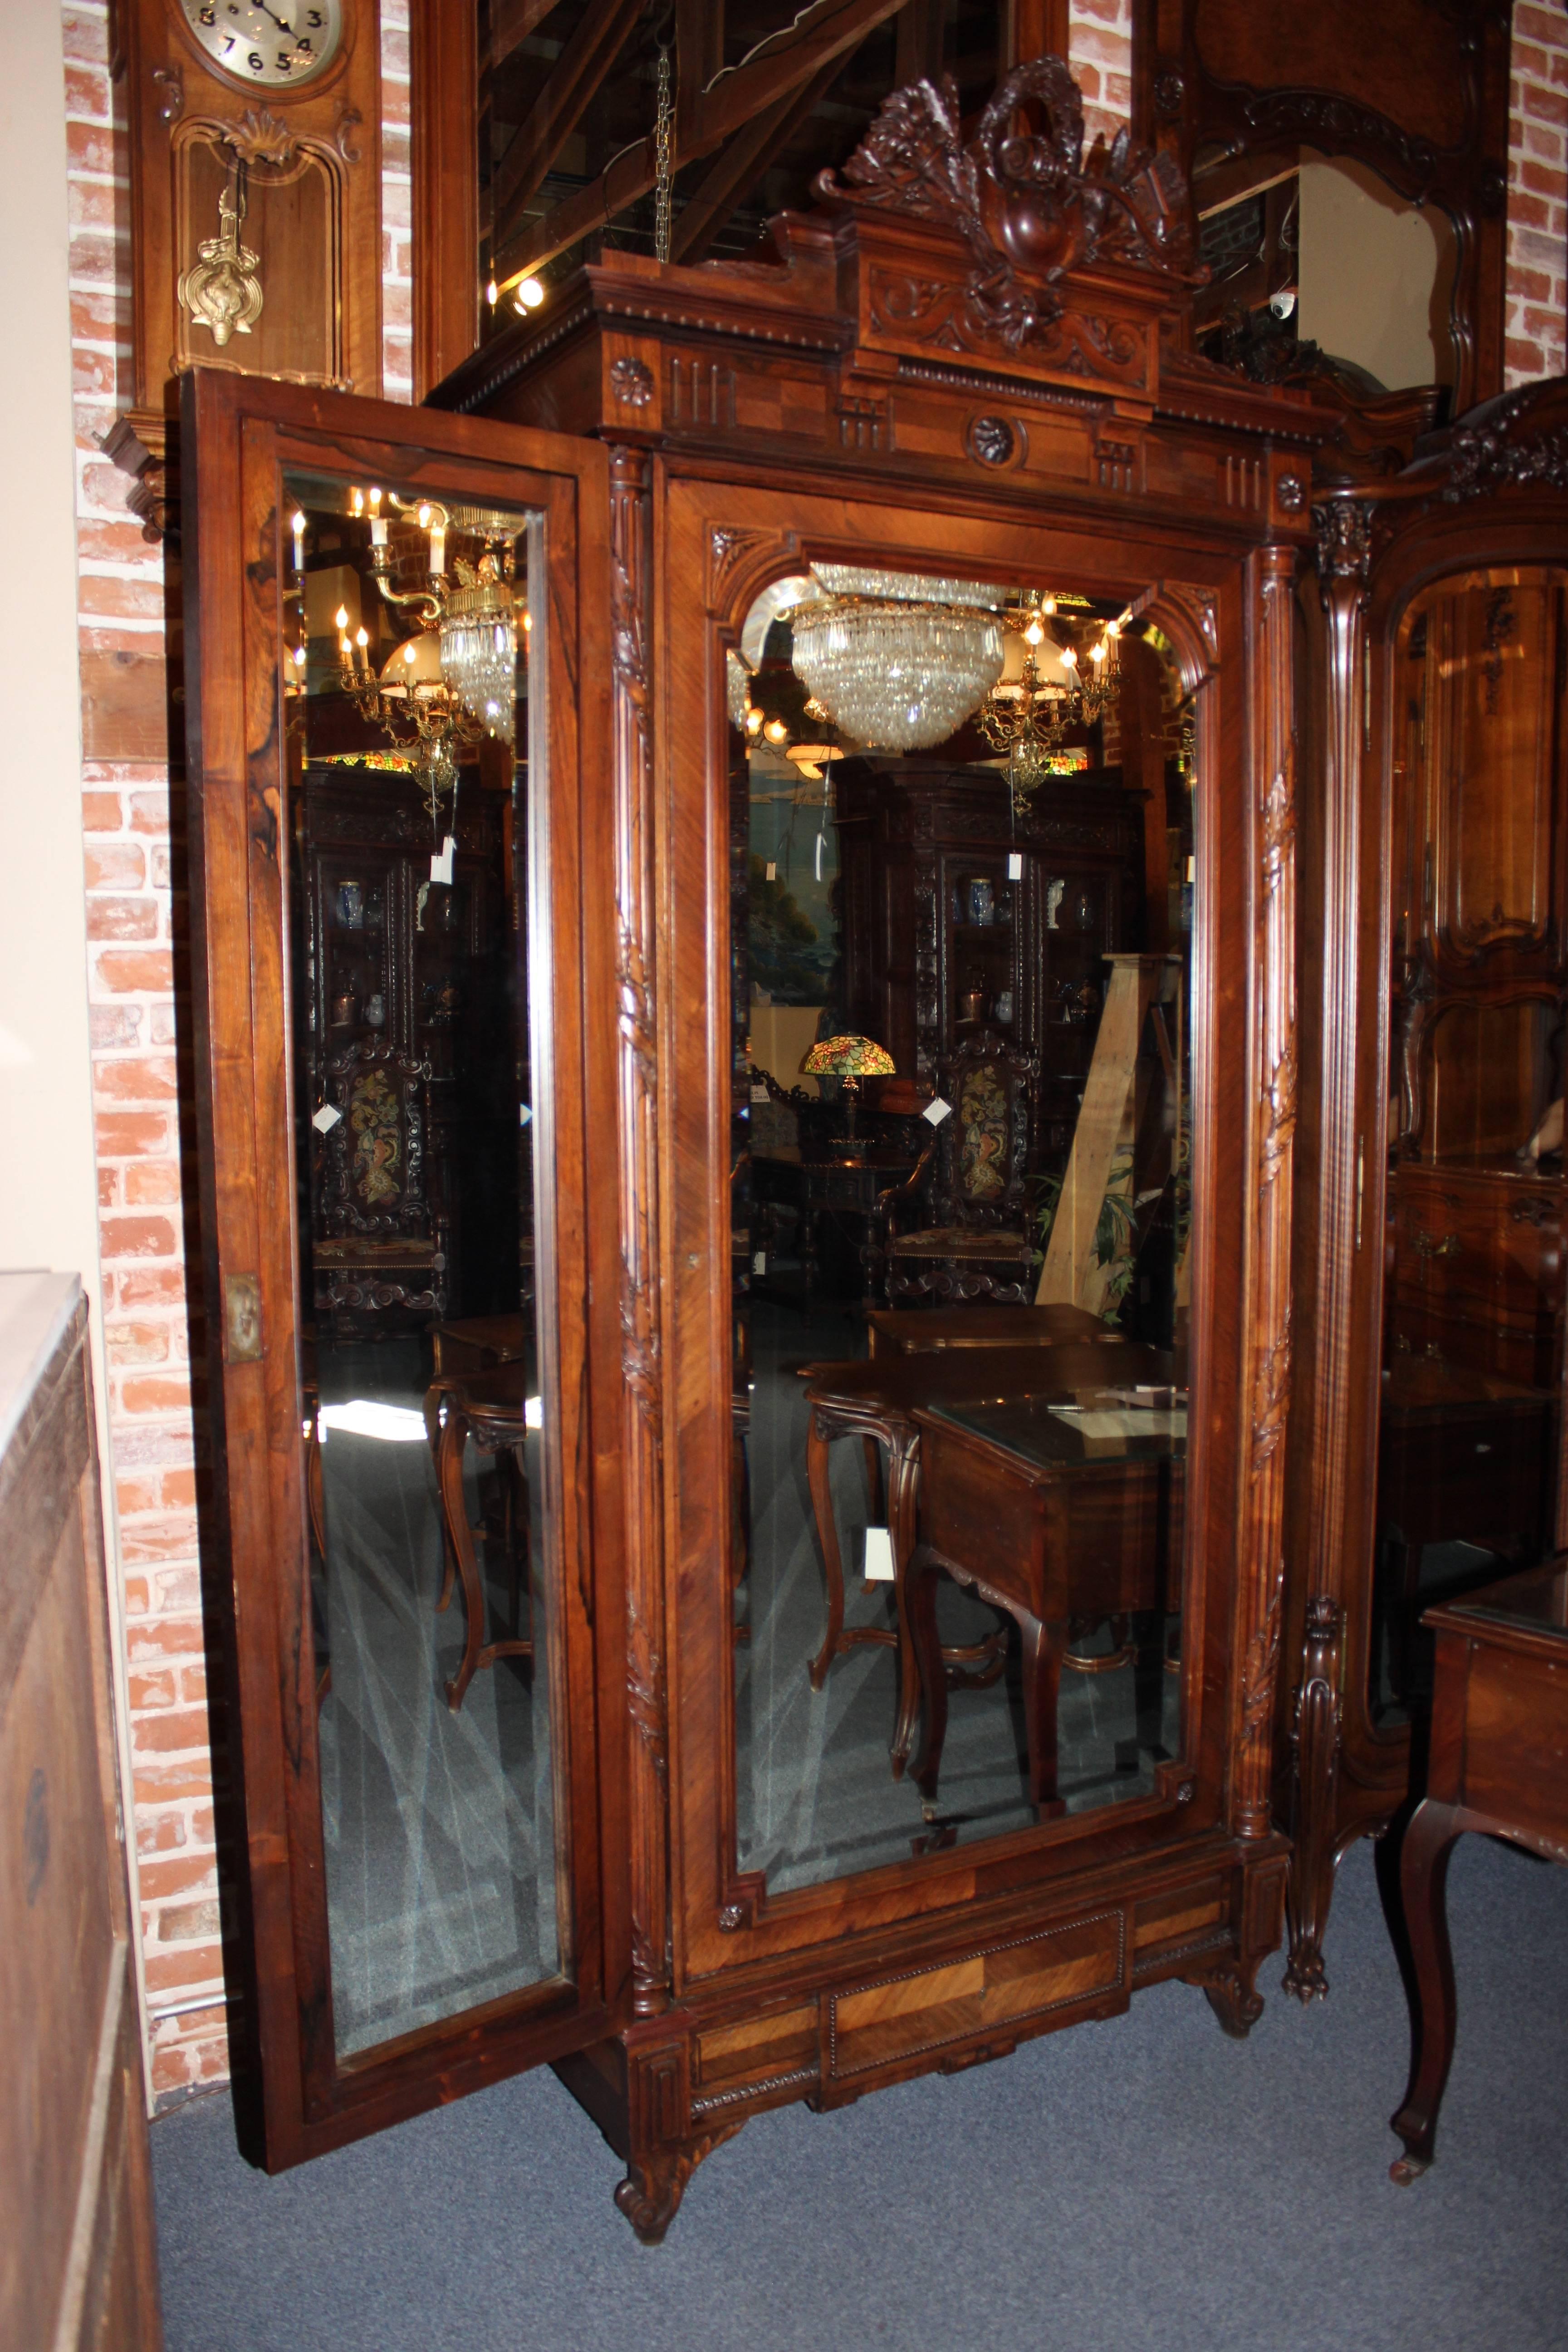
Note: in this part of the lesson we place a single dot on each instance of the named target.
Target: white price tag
(441, 862)
(1014, 865)
(878, 1556)
(759, 1094)
(772, 872)
(937, 1111)
(326, 1118)
(759, 1261)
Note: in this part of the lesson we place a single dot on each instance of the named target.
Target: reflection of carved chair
(964, 1235)
(377, 1245)
(491, 1409)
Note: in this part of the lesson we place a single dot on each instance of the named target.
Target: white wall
(49, 1213)
(49, 1182)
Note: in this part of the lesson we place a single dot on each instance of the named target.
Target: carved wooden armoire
(643, 1843)
(1430, 1283)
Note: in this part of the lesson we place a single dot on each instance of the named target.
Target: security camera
(1284, 303)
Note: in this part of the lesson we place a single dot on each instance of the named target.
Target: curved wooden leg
(1423, 1881)
(313, 1492)
(919, 1585)
(904, 1483)
(460, 1536)
(873, 1453)
(434, 1396)
(816, 1472)
(1043, 1645)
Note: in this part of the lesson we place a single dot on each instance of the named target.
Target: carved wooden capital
(1345, 541)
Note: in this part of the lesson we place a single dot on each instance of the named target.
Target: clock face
(278, 47)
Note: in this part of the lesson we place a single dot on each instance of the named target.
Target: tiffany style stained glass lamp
(850, 1059)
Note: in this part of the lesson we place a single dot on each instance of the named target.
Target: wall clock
(255, 134)
(264, 48)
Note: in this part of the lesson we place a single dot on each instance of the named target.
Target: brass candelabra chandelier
(1028, 716)
(454, 682)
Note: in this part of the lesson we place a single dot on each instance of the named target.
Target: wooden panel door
(407, 611)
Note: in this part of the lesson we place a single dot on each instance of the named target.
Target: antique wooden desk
(878, 1401)
(844, 1189)
(1499, 1764)
(917, 1332)
(1048, 1523)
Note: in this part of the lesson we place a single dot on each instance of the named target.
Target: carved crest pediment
(1029, 205)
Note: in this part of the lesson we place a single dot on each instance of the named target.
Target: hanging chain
(663, 120)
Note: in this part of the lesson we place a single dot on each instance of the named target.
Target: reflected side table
(1049, 1519)
(1498, 1764)
(877, 1401)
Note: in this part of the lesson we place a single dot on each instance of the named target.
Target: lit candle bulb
(1096, 653)
(491, 292)
(361, 641)
(377, 521)
(754, 721)
(1048, 604)
(1034, 635)
(298, 528)
(1069, 657)
(356, 501)
(775, 730)
(437, 550)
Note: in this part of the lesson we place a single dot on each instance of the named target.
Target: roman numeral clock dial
(278, 48)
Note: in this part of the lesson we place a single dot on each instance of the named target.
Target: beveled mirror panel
(1469, 1441)
(962, 851)
(427, 1379)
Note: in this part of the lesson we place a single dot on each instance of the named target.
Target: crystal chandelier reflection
(897, 676)
(455, 682)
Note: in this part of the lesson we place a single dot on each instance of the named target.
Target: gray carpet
(1140, 2186)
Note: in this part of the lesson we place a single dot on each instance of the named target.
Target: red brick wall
(139, 1000)
(1100, 46)
(1537, 192)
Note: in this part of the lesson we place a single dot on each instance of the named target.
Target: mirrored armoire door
(398, 679)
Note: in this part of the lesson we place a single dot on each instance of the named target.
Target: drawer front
(1478, 1274)
(902, 2017)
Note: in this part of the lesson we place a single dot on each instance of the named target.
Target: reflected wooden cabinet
(1427, 1447)
(947, 937)
(646, 1845)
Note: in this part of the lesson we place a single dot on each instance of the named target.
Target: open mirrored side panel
(394, 960)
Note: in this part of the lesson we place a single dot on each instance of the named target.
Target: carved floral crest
(1028, 204)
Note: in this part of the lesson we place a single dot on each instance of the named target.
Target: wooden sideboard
(79, 2264)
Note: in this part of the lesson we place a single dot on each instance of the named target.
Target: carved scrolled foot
(1305, 1975)
(1233, 1997)
(651, 2192)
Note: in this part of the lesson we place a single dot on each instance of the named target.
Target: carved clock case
(716, 1875)
(255, 151)
(1427, 1438)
